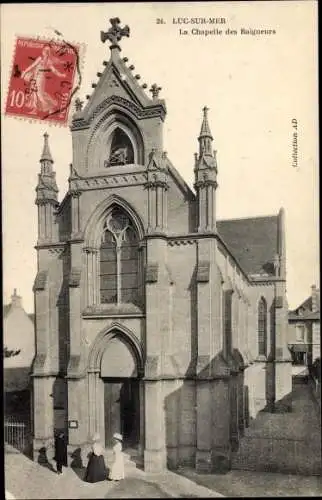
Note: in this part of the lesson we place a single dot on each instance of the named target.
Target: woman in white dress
(117, 469)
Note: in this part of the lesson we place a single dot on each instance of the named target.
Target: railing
(15, 434)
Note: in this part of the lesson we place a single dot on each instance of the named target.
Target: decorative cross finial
(78, 104)
(115, 33)
(155, 91)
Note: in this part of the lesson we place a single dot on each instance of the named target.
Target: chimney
(16, 299)
(315, 298)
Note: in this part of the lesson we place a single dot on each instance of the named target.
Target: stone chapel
(153, 318)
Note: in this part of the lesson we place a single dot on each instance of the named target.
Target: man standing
(60, 452)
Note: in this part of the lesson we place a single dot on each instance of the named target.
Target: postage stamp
(45, 75)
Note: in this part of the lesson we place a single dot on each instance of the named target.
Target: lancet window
(119, 260)
(227, 321)
(121, 150)
(262, 327)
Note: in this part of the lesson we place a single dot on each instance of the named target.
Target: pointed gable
(117, 80)
(118, 85)
(118, 105)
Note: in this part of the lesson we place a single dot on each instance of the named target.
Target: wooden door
(122, 410)
(130, 412)
(112, 405)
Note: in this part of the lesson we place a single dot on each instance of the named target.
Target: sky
(253, 85)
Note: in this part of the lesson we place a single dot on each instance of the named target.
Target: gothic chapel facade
(153, 318)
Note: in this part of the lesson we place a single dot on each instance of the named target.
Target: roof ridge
(248, 218)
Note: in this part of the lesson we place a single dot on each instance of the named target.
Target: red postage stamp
(42, 82)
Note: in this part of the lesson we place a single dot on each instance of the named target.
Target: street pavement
(25, 479)
(29, 480)
(258, 484)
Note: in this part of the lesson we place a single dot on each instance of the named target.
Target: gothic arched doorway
(120, 374)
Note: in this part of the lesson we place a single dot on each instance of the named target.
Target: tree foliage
(9, 353)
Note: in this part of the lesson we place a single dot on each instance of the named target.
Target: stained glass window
(119, 259)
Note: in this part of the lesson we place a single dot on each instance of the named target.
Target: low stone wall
(285, 441)
(288, 456)
(315, 388)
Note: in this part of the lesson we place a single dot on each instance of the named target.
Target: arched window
(262, 327)
(119, 259)
(227, 321)
(121, 149)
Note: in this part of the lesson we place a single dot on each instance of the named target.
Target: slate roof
(253, 242)
(306, 308)
(307, 315)
(307, 304)
(6, 309)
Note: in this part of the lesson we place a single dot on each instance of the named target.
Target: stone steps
(132, 458)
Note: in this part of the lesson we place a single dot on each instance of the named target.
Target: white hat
(118, 436)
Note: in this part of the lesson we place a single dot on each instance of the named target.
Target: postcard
(161, 248)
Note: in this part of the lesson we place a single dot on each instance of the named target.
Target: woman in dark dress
(96, 468)
(60, 452)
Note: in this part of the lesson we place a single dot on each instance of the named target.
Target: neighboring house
(153, 318)
(18, 334)
(304, 330)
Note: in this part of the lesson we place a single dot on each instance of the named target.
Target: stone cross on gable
(115, 33)
(155, 91)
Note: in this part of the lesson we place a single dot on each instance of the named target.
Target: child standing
(117, 469)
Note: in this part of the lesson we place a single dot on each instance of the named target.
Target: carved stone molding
(177, 242)
(153, 184)
(100, 182)
(57, 251)
(205, 183)
(47, 201)
(266, 282)
(157, 110)
(75, 193)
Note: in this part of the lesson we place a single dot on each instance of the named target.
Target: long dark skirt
(96, 469)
